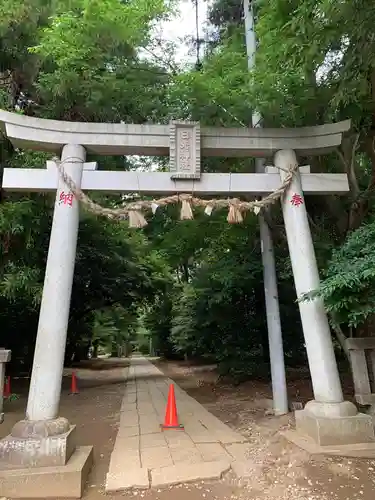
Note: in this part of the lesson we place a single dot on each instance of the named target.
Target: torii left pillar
(43, 439)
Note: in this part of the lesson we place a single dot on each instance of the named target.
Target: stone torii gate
(42, 446)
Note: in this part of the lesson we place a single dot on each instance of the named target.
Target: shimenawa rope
(133, 210)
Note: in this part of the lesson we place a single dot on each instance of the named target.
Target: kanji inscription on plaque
(185, 150)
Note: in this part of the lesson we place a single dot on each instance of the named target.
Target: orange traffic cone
(74, 386)
(7, 390)
(171, 419)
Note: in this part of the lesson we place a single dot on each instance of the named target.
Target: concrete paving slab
(183, 473)
(145, 408)
(127, 443)
(121, 459)
(130, 397)
(150, 428)
(128, 407)
(213, 452)
(186, 455)
(129, 419)
(131, 389)
(153, 440)
(128, 431)
(125, 478)
(200, 434)
(204, 449)
(147, 420)
(152, 458)
(143, 396)
(178, 439)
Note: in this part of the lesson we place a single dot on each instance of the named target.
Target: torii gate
(43, 439)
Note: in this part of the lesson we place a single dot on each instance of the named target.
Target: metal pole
(279, 389)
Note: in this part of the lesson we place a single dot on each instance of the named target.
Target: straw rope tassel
(136, 219)
(234, 214)
(186, 210)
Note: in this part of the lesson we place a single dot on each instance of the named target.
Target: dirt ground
(280, 470)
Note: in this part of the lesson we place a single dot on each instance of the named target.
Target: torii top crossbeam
(154, 140)
(184, 142)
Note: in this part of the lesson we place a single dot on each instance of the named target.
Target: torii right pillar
(328, 420)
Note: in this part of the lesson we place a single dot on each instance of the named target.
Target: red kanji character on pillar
(296, 200)
(66, 198)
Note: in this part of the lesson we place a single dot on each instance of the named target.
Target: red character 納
(66, 198)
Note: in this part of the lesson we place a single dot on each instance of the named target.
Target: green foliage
(114, 329)
(349, 284)
(218, 94)
(309, 56)
(76, 60)
(216, 312)
(144, 349)
(157, 321)
(314, 60)
(89, 59)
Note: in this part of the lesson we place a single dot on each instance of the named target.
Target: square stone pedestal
(66, 481)
(337, 430)
(43, 467)
(51, 451)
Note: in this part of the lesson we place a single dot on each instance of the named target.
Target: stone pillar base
(67, 481)
(48, 451)
(38, 444)
(40, 459)
(335, 430)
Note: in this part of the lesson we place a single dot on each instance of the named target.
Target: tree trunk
(95, 348)
(127, 349)
(114, 350)
(341, 339)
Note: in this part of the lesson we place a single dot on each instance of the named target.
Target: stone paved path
(144, 456)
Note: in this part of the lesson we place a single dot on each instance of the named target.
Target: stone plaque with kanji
(185, 150)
